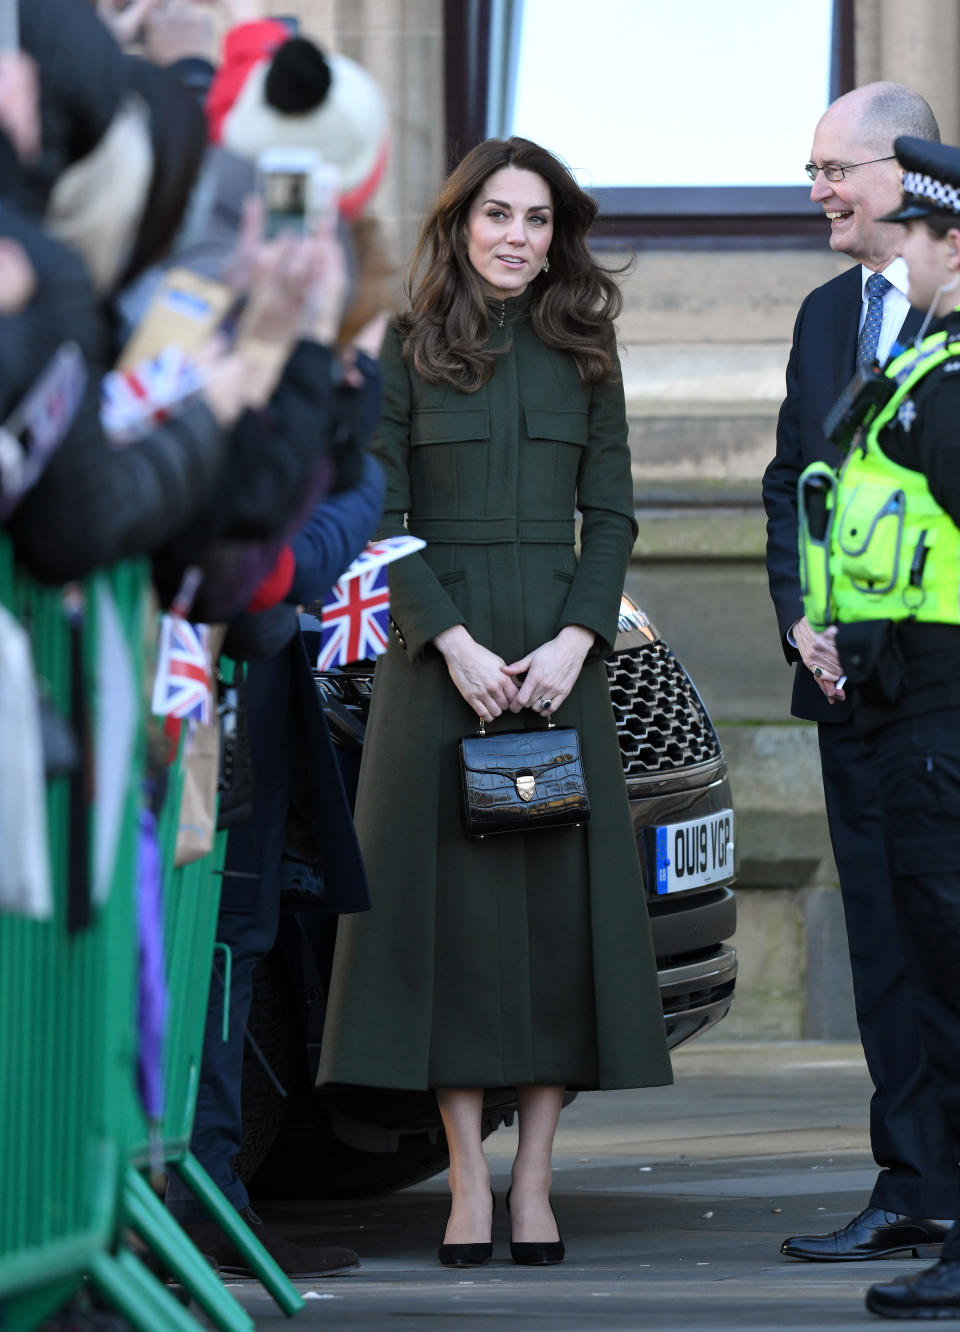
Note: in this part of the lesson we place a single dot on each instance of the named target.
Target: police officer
(882, 564)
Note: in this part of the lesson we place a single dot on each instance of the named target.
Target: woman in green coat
(521, 960)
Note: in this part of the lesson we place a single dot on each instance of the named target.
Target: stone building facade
(705, 334)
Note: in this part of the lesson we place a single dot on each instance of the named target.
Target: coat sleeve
(609, 528)
(419, 606)
(274, 453)
(335, 534)
(93, 503)
(780, 502)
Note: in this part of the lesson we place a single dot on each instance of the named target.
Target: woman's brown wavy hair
(573, 307)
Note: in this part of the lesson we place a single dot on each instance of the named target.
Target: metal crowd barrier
(75, 1142)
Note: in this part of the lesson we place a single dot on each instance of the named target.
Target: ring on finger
(818, 671)
(544, 704)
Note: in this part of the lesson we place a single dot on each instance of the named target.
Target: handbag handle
(482, 727)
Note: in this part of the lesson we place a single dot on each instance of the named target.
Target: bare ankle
(467, 1183)
(531, 1179)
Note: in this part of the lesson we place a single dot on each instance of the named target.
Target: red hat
(273, 90)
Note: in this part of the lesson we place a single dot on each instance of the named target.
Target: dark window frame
(688, 217)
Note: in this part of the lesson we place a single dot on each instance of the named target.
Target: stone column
(401, 43)
(916, 43)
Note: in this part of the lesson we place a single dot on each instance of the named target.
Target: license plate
(695, 853)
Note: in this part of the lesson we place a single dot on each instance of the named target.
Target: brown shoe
(296, 1260)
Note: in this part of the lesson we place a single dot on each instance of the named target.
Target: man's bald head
(883, 111)
(857, 132)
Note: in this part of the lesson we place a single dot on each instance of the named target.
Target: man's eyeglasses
(833, 172)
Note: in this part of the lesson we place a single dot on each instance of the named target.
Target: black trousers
(918, 765)
(912, 1141)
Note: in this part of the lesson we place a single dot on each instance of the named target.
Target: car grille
(661, 723)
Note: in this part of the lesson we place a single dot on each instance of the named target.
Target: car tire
(305, 1166)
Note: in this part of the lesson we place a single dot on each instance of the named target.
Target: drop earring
(546, 264)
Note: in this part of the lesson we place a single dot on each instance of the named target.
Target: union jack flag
(182, 686)
(356, 619)
(133, 401)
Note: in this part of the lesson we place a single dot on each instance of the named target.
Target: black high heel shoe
(467, 1255)
(538, 1253)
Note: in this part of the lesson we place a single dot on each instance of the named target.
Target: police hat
(931, 179)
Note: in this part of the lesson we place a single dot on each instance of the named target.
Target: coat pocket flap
(448, 427)
(563, 424)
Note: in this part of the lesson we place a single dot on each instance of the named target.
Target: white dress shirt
(895, 304)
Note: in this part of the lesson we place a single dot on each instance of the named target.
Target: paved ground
(672, 1202)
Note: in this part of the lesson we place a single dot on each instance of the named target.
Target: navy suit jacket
(822, 361)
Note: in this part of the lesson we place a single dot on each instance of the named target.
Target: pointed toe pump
(467, 1255)
(539, 1253)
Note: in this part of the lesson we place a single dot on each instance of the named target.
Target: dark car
(305, 1142)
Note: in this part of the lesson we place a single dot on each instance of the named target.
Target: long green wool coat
(521, 958)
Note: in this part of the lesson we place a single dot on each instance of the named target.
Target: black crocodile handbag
(514, 781)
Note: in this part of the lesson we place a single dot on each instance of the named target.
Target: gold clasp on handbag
(526, 785)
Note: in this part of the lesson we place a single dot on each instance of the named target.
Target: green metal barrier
(73, 1135)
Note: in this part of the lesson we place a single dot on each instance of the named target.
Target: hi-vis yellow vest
(874, 543)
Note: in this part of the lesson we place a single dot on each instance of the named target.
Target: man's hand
(819, 654)
(551, 670)
(477, 672)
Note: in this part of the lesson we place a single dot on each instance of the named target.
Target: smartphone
(9, 26)
(299, 190)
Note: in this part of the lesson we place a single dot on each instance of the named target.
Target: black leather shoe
(537, 1253)
(297, 1260)
(934, 1293)
(467, 1255)
(873, 1234)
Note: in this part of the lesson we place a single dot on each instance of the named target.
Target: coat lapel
(910, 326)
(843, 351)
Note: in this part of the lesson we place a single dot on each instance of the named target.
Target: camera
(858, 404)
(299, 190)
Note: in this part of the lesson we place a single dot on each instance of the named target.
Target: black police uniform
(905, 679)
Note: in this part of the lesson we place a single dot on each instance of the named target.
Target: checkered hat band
(944, 196)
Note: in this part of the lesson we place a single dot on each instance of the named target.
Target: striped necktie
(876, 289)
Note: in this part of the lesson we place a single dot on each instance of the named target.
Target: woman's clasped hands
(479, 674)
(541, 680)
(550, 671)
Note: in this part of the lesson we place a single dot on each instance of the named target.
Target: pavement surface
(673, 1203)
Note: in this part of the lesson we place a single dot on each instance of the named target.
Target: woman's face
(928, 260)
(509, 230)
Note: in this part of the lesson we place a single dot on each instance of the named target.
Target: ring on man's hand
(544, 703)
(818, 671)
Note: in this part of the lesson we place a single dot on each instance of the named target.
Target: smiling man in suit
(849, 321)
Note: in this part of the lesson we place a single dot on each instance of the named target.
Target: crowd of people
(479, 420)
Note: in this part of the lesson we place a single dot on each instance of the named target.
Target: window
(700, 110)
